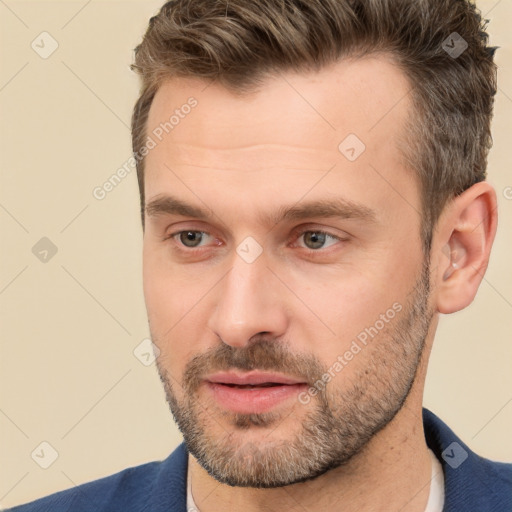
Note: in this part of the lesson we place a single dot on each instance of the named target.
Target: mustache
(262, 354)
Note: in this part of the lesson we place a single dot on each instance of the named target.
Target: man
(312, 179)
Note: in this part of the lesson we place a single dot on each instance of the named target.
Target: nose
(250, 301)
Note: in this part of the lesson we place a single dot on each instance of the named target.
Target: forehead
(363, 96)
(293, 125)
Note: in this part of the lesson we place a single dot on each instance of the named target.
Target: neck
(393, 472)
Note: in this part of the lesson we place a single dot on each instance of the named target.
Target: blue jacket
(472, 483)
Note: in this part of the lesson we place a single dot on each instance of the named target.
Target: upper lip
(251, 378)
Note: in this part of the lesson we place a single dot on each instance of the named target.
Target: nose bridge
(246, 302)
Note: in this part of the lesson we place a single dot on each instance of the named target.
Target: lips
(252, 392)
(254, 378)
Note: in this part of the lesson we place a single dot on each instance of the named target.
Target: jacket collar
(472, 483)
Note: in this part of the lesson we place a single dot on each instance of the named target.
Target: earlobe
(466, 234)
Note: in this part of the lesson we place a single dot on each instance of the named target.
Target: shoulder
(154, 486)
(472, 483)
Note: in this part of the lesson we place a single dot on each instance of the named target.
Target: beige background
(68, 375)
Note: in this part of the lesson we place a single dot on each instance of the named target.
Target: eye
(315, 240)
(189, 238)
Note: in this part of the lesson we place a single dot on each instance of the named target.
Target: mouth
(253, 392)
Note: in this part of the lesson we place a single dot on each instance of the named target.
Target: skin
(245, 156)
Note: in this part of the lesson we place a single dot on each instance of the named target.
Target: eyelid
(300, 230)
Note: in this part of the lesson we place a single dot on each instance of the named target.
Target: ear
(463, 239)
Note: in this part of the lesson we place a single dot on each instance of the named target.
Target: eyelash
(296, 234)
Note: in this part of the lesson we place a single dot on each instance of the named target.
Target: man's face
(291, 317)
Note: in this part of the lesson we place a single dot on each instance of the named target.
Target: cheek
(348, 306)
(176, 306)
(165, 305)
(165, 292)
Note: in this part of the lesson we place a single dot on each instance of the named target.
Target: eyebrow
(326, 208)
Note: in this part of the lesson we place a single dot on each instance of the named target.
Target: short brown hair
(240, 42)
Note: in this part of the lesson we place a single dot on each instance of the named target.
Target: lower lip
(253, 400)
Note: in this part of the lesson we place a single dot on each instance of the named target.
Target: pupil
(317, 239)
(191, 236)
